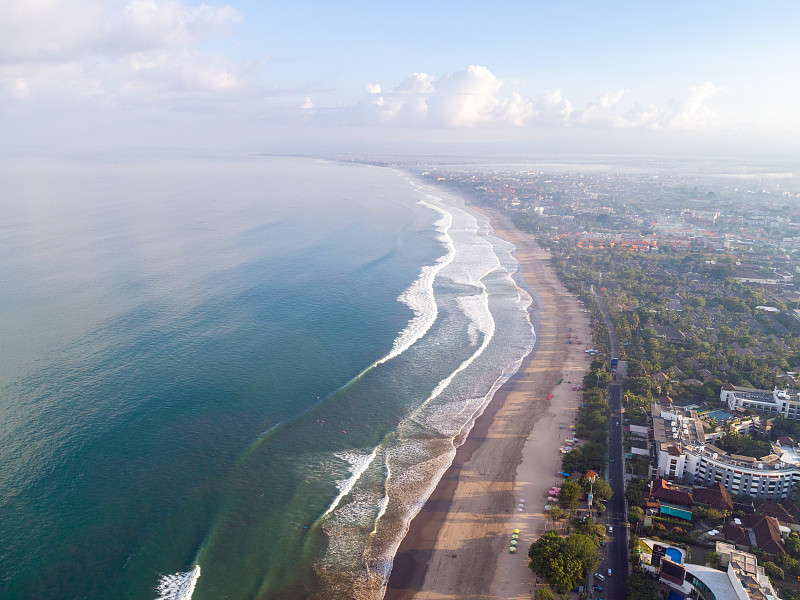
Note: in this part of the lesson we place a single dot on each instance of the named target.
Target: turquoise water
(234, 378)
(719, 415)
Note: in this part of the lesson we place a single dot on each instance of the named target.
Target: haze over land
(713, 79)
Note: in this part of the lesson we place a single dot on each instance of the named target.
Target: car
(598, 588)
(600, 576)
(610, 529)
(602, 542)
(609, 571)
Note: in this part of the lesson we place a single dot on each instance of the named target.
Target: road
(616, 551)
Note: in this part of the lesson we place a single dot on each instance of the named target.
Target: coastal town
(683, 478)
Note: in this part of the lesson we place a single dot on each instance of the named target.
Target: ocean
(237, 377)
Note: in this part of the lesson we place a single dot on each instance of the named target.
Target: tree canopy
(544, 593)
(639, 586)
(602, 489)
(564, 562)
(570, 494)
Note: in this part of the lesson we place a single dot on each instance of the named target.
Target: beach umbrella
(514, 536)
(512, 549)
(516, 531)
(513, 542)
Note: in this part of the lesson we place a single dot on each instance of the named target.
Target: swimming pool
(674, 555)
(717, 415)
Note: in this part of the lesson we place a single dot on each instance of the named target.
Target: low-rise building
(741, 579)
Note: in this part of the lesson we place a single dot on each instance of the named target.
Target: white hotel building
(784, 403)
(680, 453)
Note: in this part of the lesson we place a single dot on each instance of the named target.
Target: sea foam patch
(179, 586)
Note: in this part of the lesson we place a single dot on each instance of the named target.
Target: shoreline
(457, 545)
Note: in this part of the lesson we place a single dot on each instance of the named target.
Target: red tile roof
(767, 531)
(736, 535)
(716, 496)
(785, 512)
(660, 490)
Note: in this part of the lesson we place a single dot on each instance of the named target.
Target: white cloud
(553, 109)
(465, 99)
(91, 48)
(690, 113)
(474, 98)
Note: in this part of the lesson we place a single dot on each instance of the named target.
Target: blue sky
(629, 76)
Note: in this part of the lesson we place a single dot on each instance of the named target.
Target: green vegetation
(564, 562)
(782, 426)
(639, 586)
(592, 424)
(635, 491)
(773, 570)
(745, 445)
(635, 515)
(601, 488)
(544, 593)
(710, 515)
(570, 494)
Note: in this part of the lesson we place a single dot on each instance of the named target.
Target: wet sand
(457, 546)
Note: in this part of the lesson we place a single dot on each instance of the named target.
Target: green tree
(582, 556)
(641, 386)
(544, 593)
(564, 562)
(639, 586)
(635, 515)
(773, 570)
(635, 490)
(556, 513)
(602, 489)
(793, 545)
(570, 494)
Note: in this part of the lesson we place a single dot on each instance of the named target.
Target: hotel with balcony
(679, 452)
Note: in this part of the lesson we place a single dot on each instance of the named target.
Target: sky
(705, 77)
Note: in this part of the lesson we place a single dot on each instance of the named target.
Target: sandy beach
(457, 546)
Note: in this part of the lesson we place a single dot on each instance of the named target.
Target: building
(785, 403)
(679, 452)
(741, 579)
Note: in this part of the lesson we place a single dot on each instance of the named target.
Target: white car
(600, 576)
(610, 529)
(609, 571)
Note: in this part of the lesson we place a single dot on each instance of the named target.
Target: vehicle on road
(599, 588)
(600, 576)
(609, 571)
(610, 529)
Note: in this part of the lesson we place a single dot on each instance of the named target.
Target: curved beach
(457, 545)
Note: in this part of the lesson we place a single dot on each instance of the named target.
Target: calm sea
(234, 378)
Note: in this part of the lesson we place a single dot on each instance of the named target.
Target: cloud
(465, 99)
(475, 98)
(91, 48)
(689, 113)
(553, 109)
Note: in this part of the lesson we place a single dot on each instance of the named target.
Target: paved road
(616, 551)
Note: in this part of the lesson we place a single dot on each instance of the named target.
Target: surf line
(419, 297)
(346, 486)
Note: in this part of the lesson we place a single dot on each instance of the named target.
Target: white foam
(358, 464)
(179, 586)
(419, 297)
(385, 500)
